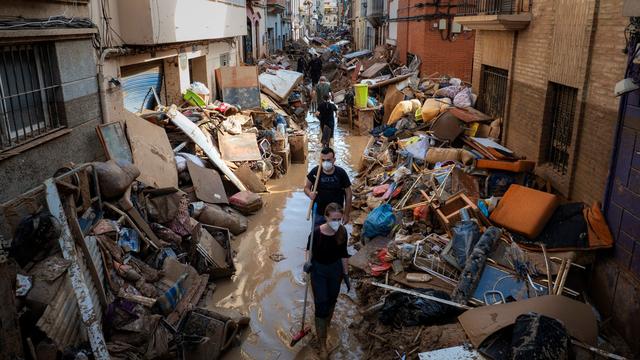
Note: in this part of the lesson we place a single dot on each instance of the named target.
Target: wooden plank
(152, 152)
(207, 184)
(239, 85)
(242, 147)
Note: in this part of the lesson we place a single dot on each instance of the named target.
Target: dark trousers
(327, 135)
(325, 283)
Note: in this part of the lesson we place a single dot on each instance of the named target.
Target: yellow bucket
(362, 95)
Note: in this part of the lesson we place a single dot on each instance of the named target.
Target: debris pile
(455, 234)
(128, 250)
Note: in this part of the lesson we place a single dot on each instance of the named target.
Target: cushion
(524, 210)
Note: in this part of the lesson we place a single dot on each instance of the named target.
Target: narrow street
(272, 293)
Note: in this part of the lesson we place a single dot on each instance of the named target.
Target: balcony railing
(494, 14)
(493, 7)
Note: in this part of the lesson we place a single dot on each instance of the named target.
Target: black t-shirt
(330, 187)
(326, 110)
(326, 249)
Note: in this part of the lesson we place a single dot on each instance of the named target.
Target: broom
(304, 331)
(310, 213)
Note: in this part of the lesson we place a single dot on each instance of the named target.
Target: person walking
(326, 262)
(326, 114)
(322, 88)
(334, 186)
(302, 64)
(315, 69)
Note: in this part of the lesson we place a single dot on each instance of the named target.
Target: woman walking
(328, 266)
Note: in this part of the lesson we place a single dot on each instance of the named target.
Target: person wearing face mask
(328, 267)
(334, 186)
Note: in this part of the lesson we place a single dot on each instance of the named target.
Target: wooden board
(207, 184)
(239, 85)
(114, 142)
(242, 147)
(152, 152)
(250, 179)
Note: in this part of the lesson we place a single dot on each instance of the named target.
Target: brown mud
(271, 293)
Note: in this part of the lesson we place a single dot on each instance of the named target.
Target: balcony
(152, 22)
(375, 12)
(494, 14)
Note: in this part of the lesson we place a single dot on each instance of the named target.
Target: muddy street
(272, 292)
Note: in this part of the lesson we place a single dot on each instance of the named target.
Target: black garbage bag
(407, 310)
(539, 337)
(35, 233)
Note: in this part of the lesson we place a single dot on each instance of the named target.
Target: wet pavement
(271, 292)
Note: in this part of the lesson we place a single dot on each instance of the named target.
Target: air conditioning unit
(442, 24)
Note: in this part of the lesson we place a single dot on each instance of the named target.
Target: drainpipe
(101, 87)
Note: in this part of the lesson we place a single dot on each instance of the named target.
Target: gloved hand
(347, 281)
(307, 267)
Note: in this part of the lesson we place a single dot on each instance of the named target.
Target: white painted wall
(146, 22)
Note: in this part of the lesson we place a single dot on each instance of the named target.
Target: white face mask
(334, 224)
(327, 165)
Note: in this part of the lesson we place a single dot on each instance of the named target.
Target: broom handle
(314, 190)
(306, 287)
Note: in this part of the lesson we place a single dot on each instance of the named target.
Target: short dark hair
(327, 150)
(326, 97)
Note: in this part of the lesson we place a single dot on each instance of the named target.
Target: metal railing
(30, 93)
(560, 115)
(492, 7)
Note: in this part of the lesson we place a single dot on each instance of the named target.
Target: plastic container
(362, 95)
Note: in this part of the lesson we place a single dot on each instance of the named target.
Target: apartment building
(549, 68)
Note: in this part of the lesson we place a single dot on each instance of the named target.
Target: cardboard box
(298, 144)
(364, 122)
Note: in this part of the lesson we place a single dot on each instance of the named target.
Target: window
(559, 117)
(493, 91)
(29, 93)
(224, 59)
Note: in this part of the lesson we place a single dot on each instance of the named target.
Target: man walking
(326, 115)
(334, 186)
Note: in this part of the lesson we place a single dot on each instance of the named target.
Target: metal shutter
(136, 83)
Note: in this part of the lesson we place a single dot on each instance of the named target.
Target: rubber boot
(321, 331)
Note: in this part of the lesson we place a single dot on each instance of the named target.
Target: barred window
(559, 117)
(29, 93)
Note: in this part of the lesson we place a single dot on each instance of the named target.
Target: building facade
(49, 98)
(59, 82)
(549, 68)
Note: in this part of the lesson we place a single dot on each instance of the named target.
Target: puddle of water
(272, 293)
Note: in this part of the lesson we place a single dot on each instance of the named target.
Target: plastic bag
(199, 88)
(379, 222)
(463, 98)
(465, 236)
(401, 309)
(540, 337)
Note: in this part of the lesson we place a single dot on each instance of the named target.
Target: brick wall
(597, 108)
(454, 58)
(596, 136)
(615, 281)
